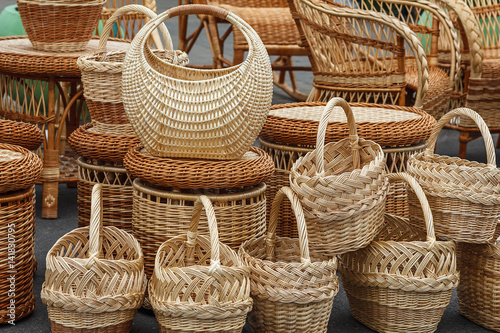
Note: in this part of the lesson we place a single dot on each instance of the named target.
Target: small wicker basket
(464, 196)
(292, 291)
(22, 134)
(342, 188)
(60, 25)
(400, 283)
(19, 168)
(95, 279)
(199, 284)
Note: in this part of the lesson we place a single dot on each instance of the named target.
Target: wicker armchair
(273, 23)
(359, 55)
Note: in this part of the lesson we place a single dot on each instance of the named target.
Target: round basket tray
(22, 134)
(388, 125)
(103, 142)
(19, 168)
(253, 168)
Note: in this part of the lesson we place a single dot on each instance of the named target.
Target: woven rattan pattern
(117, 193)
(95, 275)
(19, 173)
(92, 144)
(292, 291)
(211, 114)
(401, 282)
(23, 134)
(464, 195)
(390, 126)
(253, 168)
(199, 284)
(17, 225)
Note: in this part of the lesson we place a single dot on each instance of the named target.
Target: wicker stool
(290, 132)
(116, 193)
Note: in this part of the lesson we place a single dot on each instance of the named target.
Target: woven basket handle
(429, 221)
(485, 132)
(108, 27)
(203, 202)
(301, 225)
(95, 232)
(323, 125)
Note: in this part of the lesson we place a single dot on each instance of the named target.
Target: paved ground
(48, 231)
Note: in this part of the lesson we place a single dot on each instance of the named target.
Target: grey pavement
(49, 231)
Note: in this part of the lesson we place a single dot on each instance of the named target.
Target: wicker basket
(195, 113)
(17, 231)
(60, 25)
(117, 193)
(253, 168)
(199, 284)
(401, 283)
(342, 188)
(464, 196)
(102, 71)
(292, 291)
(19, 168)
(479, 288)
(22, 134)
(95, 279)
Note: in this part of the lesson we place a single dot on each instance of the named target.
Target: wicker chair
(273, 23)
(419, 15)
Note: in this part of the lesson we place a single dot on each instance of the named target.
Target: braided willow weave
(292, 291)
(464, 196)
(95, 277)
(401, 283)
(19, 168)
(185, 112)
(199, 284)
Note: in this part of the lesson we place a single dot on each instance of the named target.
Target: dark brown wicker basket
(22, 134)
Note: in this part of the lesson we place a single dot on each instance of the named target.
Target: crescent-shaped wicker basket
(195, 113)
(464, 195)
(403, 281)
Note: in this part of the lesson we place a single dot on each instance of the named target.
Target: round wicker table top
(388, 125)
(17, 56)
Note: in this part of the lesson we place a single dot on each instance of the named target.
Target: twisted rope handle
(419, 192)
(301, 225)
(95, 229)
(323, 124)
(106, 31)
(485, 132)
(204, 202)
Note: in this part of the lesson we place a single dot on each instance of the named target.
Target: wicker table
(44, 88)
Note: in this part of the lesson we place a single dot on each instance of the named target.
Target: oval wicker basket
(292, 290)
(401, 283)
(22, 134)
(342, 188)
(60, 26)
(95, 277)
(102, 71)
(186, 112)
(19, 168)
(199, 284)
(253, 168)
(464, 196)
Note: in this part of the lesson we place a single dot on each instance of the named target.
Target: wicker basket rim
(64, 3)
(104, 168)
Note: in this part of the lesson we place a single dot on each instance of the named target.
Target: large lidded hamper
(95, 279)
(342, 188)
(186, 112)
(199, 284)
(402, 281)
(464, 196)
(293, 291)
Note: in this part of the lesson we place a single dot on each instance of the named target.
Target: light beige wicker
(185, 112)
(199, 284)
(95, 279)
(293, 291)
(342, 188)
(464, 196)
(401, 282)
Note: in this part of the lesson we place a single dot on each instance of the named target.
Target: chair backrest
(487, 13)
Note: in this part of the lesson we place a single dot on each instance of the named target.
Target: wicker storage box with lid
(290, 132)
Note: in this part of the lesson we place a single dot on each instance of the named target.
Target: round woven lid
(19, 168)
(253, 168)
(388, 125)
